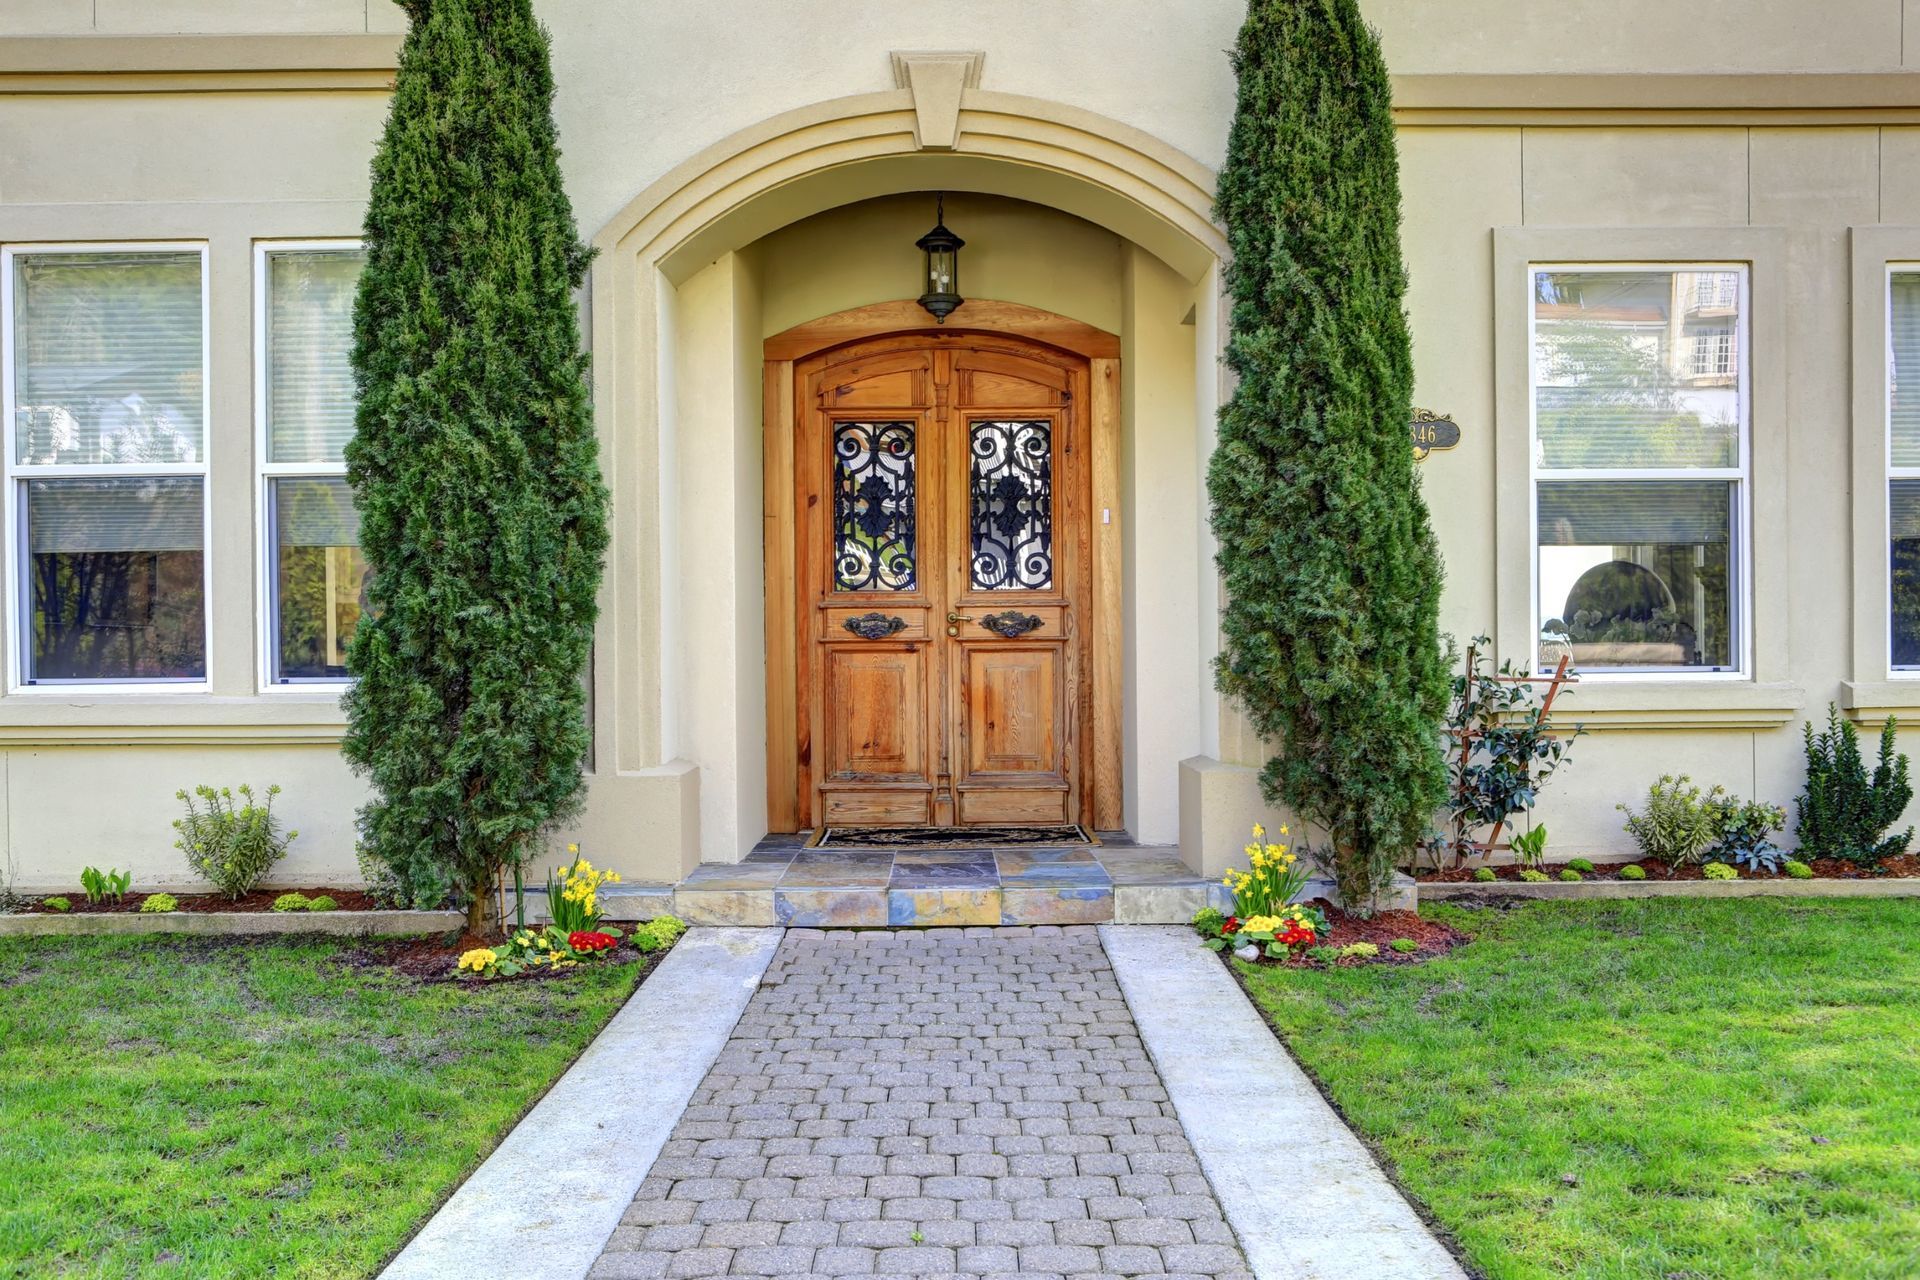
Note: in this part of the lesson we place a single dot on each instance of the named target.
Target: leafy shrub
(1680, 823)
(1570, 875)
(1633, 871)
(1798, 870)
(1208, 922)
(1533, 877)
(1513, 754)
(160, 902)
(1363, 949)
(658, 933)
(1484, 875)
(1744, 828)
(56, 904)
(292, 902)
(1325, 955)
(1405, 946)
(1719, 871)
(322, 903)
(110, 886)
(1582, 865)
(1845, 813)
(232, 844)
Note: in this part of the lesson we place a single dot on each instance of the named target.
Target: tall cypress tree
(474, 463)
(1333, 578)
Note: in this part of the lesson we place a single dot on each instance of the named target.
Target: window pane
(310, 391)
(1637, 368)
(874, 507)
(1904, 372)
(1636, 574)
(1904, 510)
(108, 357)
(1011, 481)
(320, 577)
(115, 570)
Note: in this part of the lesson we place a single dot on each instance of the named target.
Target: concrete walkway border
(547, 1199)
(1245, 1103)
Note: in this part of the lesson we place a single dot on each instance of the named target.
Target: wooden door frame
(1101, 768)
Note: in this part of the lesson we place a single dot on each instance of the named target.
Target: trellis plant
(1504, 752)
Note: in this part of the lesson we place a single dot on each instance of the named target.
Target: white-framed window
(1903, 467)
(105, 469)
(312, 575)
(1640, 464)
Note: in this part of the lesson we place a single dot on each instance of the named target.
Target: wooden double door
(942, 557)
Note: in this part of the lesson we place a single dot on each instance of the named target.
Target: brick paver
(929, 1102)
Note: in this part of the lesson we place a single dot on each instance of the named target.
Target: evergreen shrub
(1331, 626)
(474, 465)
(1846, 812)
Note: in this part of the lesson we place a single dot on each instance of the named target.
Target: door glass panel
(873, 506)
(1011, 484)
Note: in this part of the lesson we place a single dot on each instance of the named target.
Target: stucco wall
(644, 86)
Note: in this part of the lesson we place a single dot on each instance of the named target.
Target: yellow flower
(479, 959)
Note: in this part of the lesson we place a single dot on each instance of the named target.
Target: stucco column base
(1220, 802)
(643, 823)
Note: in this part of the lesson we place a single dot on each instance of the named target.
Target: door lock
(953, 622)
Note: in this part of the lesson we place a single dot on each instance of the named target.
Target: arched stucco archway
(728, 197)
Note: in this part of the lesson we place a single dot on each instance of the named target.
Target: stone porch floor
(783, 883)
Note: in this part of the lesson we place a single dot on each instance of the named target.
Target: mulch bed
(432, 959)
(1906, 864)
(258, 900)
(1381, 928)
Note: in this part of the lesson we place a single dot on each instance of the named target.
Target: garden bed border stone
(349, 924)
(1586, 890)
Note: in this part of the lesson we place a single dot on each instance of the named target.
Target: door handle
(958, 617)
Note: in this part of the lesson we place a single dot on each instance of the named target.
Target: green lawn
(249, 1107)
(1732, 1086)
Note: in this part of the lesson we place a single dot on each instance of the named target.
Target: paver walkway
(932, 1102)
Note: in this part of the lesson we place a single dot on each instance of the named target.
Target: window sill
(1605, 706)
(1872, 701)
(74, 717)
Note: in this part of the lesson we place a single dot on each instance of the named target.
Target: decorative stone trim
(203, 64)
(937, 81)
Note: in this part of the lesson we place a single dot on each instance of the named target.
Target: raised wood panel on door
(939, 718)
(1015, 713)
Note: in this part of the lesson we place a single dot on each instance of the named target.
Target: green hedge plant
(1331, 640)
(232, 843)
(474, 465)
(1846, 812)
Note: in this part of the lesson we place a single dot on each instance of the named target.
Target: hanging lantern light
(942, 250)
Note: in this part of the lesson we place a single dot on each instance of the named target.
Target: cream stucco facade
(746, 170)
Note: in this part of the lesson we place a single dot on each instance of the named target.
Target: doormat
(947, 837)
